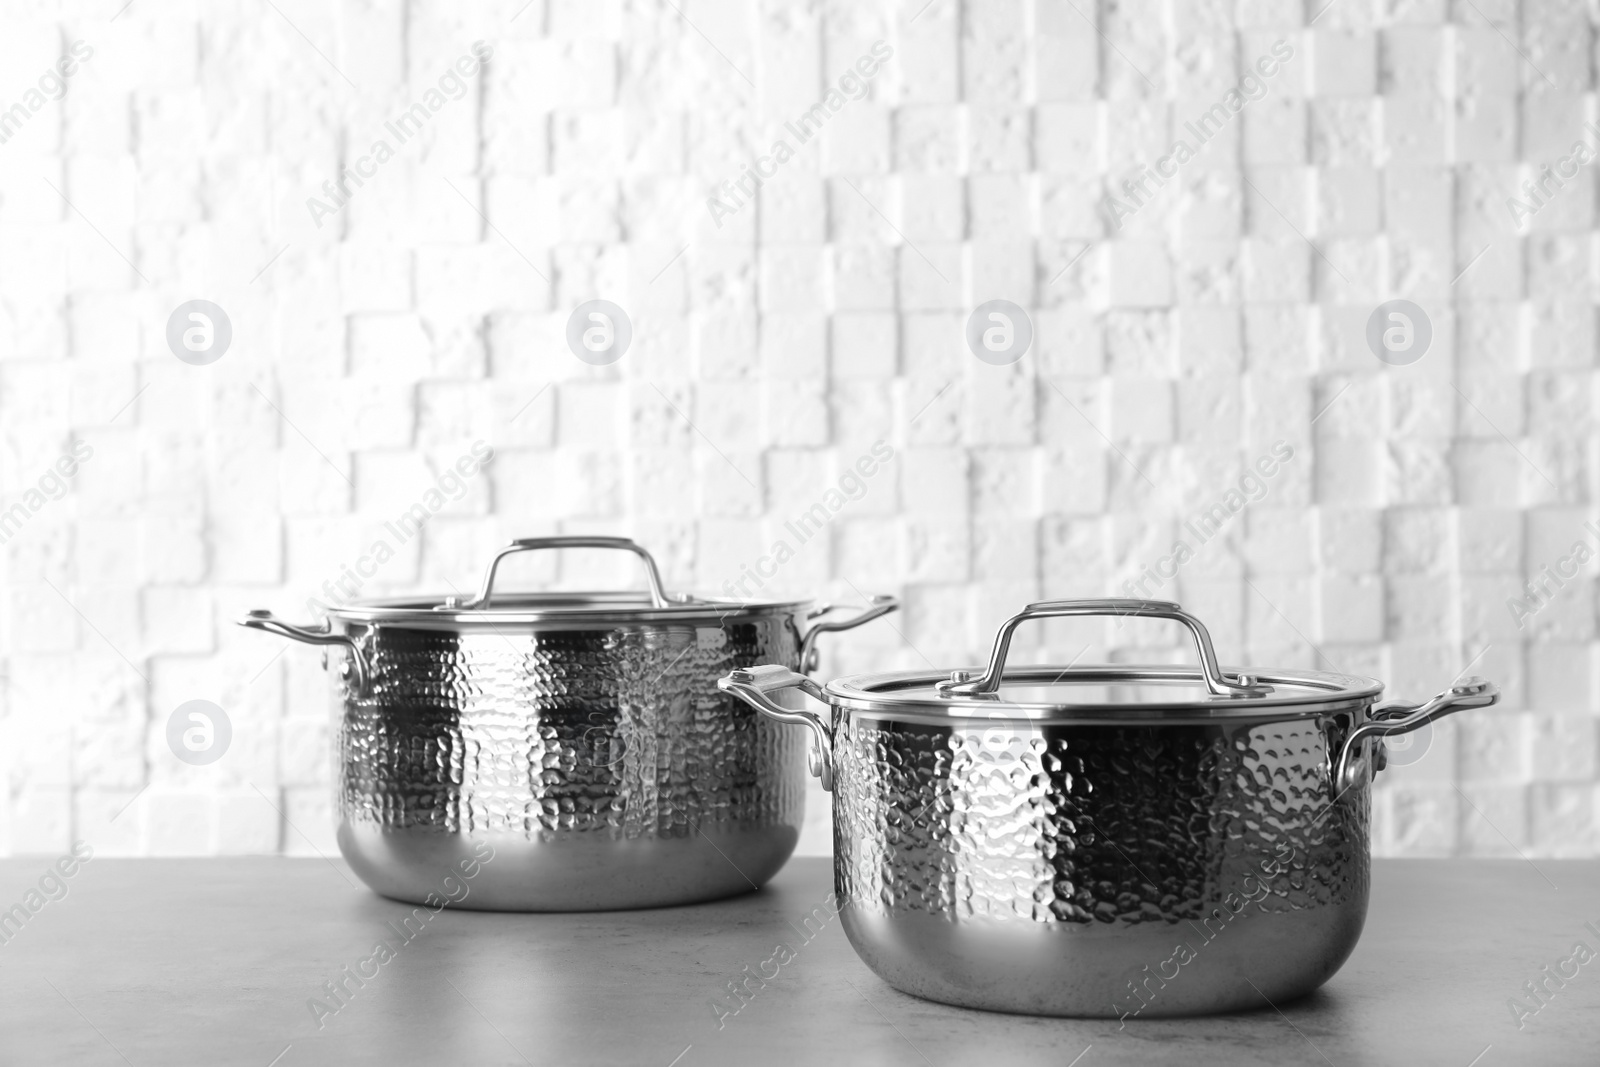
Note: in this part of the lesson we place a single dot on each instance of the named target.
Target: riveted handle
(658, 598)
(753, 686)
(1217, 683)
(1351, 769)
(355, 668)
(876, 607)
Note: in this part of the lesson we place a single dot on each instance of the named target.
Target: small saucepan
(1100, 841)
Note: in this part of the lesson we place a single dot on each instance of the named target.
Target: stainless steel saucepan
(1100, 841)
(581, 734)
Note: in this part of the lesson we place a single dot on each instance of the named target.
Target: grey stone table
(219, 961)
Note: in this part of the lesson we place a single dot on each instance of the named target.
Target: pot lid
(489, 608)
(1110, 693)
(591, 607)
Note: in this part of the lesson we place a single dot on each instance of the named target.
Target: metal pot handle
(753, 684)
(355, 666)
(962, 683)
(1351, 769)
(877, 606)
(658, 598)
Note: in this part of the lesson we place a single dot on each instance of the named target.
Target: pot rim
(1318, 693)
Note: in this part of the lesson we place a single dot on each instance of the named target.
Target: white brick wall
(1225, 314)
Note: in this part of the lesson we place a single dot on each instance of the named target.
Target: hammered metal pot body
(1098, 870)
(599, 762)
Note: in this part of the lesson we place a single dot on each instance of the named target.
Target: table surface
(216, 961)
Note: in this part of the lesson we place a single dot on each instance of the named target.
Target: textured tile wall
(1185, 321)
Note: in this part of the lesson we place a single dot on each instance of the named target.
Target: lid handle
(961, 683)
(528, 544)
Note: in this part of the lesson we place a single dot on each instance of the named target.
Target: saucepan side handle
(1352, 767)
(356, 664)
(877, 606)
(754, 686)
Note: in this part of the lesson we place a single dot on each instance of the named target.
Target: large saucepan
(581, 734)
(1101, 841)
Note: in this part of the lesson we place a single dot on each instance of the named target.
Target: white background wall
(370, 352)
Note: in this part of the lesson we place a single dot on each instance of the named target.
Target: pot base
(1106, 971)
(515, 874)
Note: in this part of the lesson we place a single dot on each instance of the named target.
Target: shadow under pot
(564, 751)
(1102, 841)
